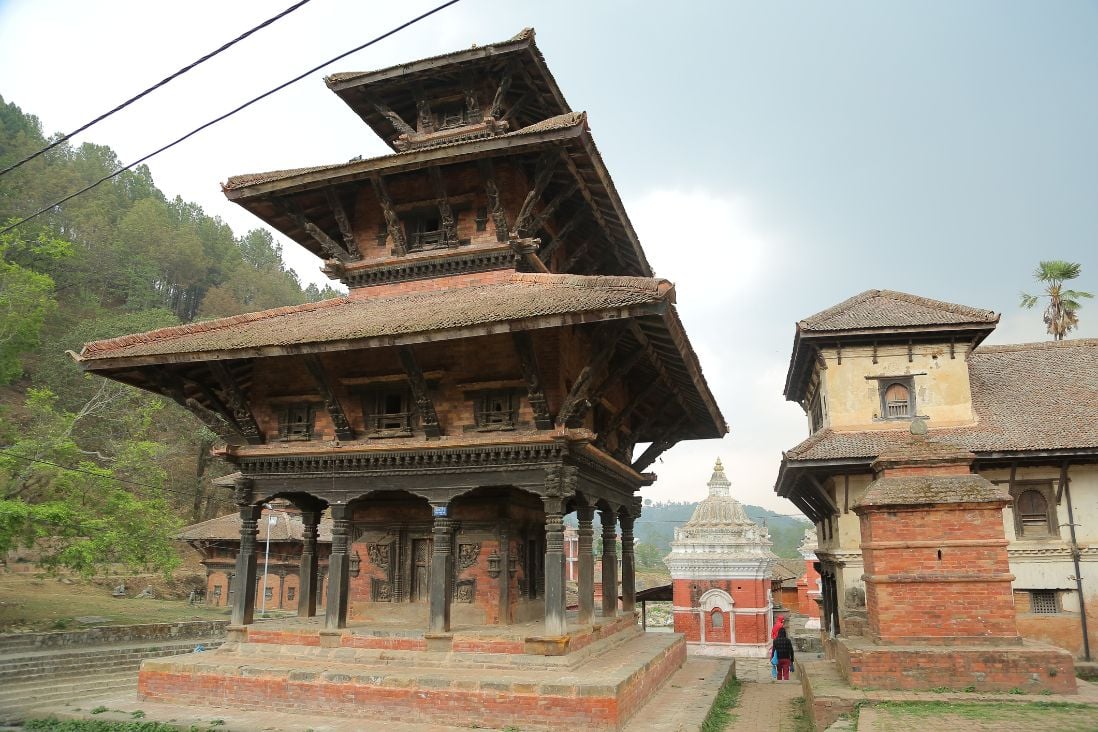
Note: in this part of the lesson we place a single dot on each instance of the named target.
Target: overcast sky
(775, 158)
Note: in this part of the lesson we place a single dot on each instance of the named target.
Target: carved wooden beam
(561, 235)
(574, 258)
(575, 403)
(172, 386)
(472, 104)
(495, 206)
(392, 221)
(445, 213)
(237, 403)
(824, 495)
(524, 344)
(631, 406)
(423, 113)
(331, 401)
(589, 197)
(328, 245)
(395, 119)
(216, 405)
(501, 92)
(420, 393)
(342, 221)
(528, 250)
(534, 223)
(657, 448)
(543, 173)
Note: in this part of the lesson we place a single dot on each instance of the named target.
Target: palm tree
(1061, 315)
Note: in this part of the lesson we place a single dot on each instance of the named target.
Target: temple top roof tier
(480, 91)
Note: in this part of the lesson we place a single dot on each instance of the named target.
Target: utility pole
(271, 521)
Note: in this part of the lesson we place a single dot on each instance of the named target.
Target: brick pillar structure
(938, 583)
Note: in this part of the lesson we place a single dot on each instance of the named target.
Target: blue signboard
(439, 510)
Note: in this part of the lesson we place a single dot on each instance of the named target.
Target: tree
(1061, 315)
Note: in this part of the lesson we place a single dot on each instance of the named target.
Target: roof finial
(719, 483)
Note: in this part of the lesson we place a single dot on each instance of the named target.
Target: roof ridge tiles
(824, 320)
(1037, 345)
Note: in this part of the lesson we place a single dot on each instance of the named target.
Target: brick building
(721, 571)
(217, 542)
(864, 369)
(503, 348)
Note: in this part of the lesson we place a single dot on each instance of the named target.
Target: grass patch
(96, 725)
(1051, 715)
(802, 720)
(720, 715)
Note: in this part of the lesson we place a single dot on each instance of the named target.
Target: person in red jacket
(778, 625)
(783, 649)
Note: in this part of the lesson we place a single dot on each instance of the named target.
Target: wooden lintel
(237, 402)
(342, 221)
(524, 344)
(418, 384)
(392, 221)
(335, 409)
(543, 172)
(495, 206)
(576, 402)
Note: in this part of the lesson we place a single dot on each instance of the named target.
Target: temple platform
(594, 677)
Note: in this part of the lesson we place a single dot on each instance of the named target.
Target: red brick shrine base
(593, 678)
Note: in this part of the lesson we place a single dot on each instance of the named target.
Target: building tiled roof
(561, 121)
(227, 528)
(1027, 397)
(522, 296)
(890, 309)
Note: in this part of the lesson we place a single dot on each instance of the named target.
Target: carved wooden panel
(465, 591)
(467, 555)
(380, 590)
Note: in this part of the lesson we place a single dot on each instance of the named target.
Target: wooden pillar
(609, 563)
(556, 623)
(307, 572)
(586, 559)
(243, 612)
(628, 569)
(339, 569)
(442, 569)
(504, 554)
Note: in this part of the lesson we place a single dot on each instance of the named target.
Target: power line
(154, 87)
(230, 113)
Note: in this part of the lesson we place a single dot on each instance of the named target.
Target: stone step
(80, 651)
(38, 691)
(47, 664)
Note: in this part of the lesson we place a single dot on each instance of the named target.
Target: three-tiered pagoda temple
(503, 349)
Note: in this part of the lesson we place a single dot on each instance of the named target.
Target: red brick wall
(750, 628)
(806, 585)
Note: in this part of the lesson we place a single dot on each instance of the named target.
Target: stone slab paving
(683, 702)
(765, 706)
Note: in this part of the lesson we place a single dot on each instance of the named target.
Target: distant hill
(657, 523)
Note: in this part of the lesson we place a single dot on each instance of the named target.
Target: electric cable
(230, 113)
(154, 87)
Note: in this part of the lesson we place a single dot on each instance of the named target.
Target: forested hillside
(656, 526)
(106, 470)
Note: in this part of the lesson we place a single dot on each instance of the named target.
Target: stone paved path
(766, 706)
(683, 702)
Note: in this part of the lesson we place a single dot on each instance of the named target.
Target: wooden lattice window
(389, 413)
(1031, 510)
(1043, 602)
(454, 115)
(295, 422)
(897, 398)
(718, 619)
(425, 232)
(291, 592)
(495, 410)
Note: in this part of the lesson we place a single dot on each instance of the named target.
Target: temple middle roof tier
(334, 210)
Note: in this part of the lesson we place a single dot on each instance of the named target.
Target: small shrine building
(810, 585)
(721, 570)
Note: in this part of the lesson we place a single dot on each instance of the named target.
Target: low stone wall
(110, 634)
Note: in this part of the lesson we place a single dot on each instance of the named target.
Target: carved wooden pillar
(442, 569)
(555, 622)
(307, 572)
(586, 559)
(628, 567)
(339, 566)
(245, 575)
(609, 563)
(503, 562)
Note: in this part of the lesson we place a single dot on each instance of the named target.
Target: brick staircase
(33, 677)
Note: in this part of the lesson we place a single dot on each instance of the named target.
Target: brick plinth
(1032, 668)
(601, 693)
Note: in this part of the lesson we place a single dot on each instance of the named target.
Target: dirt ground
(33, 602)
(977, 718)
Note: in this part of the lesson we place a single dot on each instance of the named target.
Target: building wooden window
(815, 413)
(495, 410)
(389, 413)
(295, 422)
(291, 593)
(897, 398)
(1034, 510)
(217, 592)
(426, 232)
(1043, 602)
(453, 115)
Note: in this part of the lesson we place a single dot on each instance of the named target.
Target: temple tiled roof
(559, 122)
(342, 320)
(891, 309)
(227, 528)
(1027, 397)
